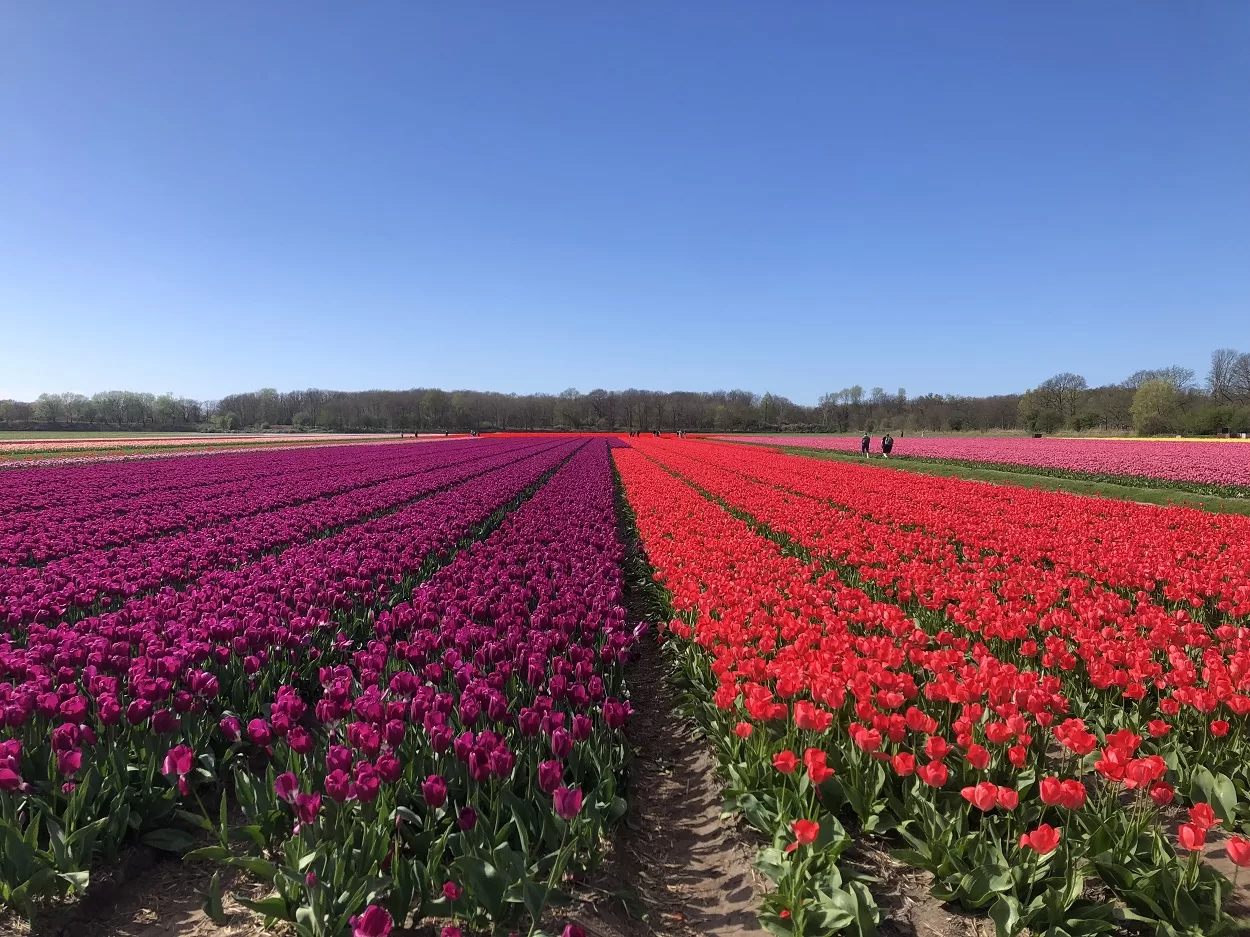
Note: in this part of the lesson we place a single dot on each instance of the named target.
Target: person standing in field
(887, 443)
(865, 444)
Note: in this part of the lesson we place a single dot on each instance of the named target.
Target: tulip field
(1039, 699)
(1218, 466)
(385, 681)
(390, 684)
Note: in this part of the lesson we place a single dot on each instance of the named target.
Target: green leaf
(273, 907)
(212, 901)
(208, 854)
(867, 915)
(485, 883)
(535, 897)
(77, 880)
(196, 819)
(251, 833)
(772, 862)
(1225, 800)
(261, 868)
(1006, 916)
(170, 840)
(1201, 784)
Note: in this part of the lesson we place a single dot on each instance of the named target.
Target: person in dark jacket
(887, 443)
(864, 445)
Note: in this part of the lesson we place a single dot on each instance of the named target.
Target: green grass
(1078, 486)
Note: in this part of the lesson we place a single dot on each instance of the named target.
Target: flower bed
(95, 579)
(1216, 465)
(1007, 719)
(317, 661)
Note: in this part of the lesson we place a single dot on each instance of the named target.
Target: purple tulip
(286, 786)
(434, 791)
(338, 785)
(550, 774)
(258, 732)
(568, 802)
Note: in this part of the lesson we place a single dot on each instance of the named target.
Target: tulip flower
(1238, 849)
(568, 802)
(785, 761)
(805, 833)
(1202, 815)
(434, 791)
(1191, 836)
(933, 774)
(1161, 793)
(1042, 840)
(374, 922)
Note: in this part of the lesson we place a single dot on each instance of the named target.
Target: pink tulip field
(1216, 464)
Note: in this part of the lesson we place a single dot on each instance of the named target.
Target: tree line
(1149, 402)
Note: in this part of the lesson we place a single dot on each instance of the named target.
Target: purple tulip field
(386, 682)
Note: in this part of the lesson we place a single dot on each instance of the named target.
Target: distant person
(864, 445)
(887, 443)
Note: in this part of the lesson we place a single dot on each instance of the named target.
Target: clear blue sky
(947, 196)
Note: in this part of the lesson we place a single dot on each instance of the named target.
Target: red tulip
(1202, 815)
(934, 773)
(983, 796)
(785, 761)
(1043, 840)
(1051, 790)
(1161, 793)
(936, 748)
(374, 922)
(817, 770)
(978, 757)
(904, 764)
(1191, 836)
(805, 833)
(1073, 794)
(1238, 848)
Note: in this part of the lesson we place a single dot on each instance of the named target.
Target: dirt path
(676, 867)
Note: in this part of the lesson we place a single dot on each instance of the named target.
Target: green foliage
(1155, 409)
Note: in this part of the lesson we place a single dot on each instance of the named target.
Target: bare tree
(1063, 393)
(1179, 377)
(1229, 377)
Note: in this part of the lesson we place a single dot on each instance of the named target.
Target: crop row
(1177, 555)
(128, 483)
(1217, 467)
(306, 668)
(94, 579)
(993, 753)
(33, 537)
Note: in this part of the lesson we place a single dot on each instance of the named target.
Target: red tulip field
(1039, 699)
(373, 689)
(1214, 466)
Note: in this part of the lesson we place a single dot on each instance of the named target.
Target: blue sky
(951, 197)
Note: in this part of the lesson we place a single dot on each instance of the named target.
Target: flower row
(1210, 463)
(832, 703)
(36, 536)
(92, 579)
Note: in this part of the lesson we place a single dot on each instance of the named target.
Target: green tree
(1155, 409)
